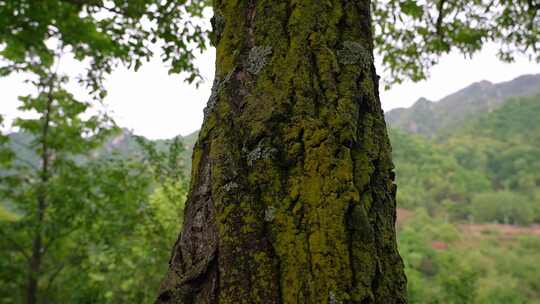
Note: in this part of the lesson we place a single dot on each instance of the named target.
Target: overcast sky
(157, 105)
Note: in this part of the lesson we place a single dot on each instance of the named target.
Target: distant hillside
(428, 118)
(491, 163)
(123, 144)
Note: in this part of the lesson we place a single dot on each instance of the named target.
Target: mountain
(486, 169)
(123, 144)
(427, 118)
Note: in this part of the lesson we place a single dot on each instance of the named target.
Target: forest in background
(469, 208)
(468, 199)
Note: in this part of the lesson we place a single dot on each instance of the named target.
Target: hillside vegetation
(487, 171)
(469, 204)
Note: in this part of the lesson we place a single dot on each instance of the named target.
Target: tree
(411, 35)
(50, 189)
(146, 215)
(63, 202)
(504, 207)
(292, 197)
(61, 244)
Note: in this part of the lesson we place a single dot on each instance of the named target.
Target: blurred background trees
(77, 216)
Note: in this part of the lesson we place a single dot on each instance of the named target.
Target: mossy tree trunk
(292, 197)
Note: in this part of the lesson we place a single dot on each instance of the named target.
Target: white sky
(158, 105)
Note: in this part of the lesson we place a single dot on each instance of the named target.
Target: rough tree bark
(292, 197)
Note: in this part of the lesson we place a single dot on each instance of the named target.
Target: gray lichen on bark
(230, 186)
(355, 53)
(332, 298)
(257, 59)
(213, 97)
(270, 214)
(214, 94)
(260, 152)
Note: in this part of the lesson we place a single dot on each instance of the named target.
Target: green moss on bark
(299, 131)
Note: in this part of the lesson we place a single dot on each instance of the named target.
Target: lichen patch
(257, 59)
(355, 53)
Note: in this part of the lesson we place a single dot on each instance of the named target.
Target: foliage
(71, 220)
(503, 207)
(411, 35)
(446, 265)
(53, 195)
(7, 215)
(486, 171)
(99, 34)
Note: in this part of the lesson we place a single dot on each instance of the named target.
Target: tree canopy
(100, 35)
(410, 35)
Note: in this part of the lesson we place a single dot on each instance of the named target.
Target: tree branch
(438, 23)
(58, 270)
(15, 244)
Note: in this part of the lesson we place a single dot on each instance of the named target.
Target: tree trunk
(34, 268)
(292, 197)
(35, 261)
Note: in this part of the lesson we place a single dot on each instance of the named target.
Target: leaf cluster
(411, 35)
(100, 34)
